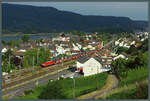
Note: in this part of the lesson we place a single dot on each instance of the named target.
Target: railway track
(43, 72)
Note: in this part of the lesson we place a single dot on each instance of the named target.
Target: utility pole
(36, 83)
(97, 79)
(62, 60)
(74, 88)
(9, 61)
(57, 74)
(137, 84)
(33, 64)
(105, 95)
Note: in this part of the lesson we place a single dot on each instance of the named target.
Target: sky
(133, 10)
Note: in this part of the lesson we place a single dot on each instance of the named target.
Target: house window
(103, 60)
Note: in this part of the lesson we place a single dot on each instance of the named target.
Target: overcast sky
(134, 10)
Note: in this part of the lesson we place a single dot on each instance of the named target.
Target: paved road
(112, 82)
(17, 92)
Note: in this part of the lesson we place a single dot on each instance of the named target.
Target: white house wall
(91, 67)
(79, 64)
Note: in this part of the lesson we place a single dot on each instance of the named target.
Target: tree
(121, 49)
(119, 66)
(144, 46)
(8, 59)
(130, 62)
(13, 43)
(132, 50)
(138, 61)
(7, 54)
(31, 57)
(25, 38)
(7, 66)
(20, 41)
(53, 90)
(3, 42)
(44, 55)
(74, 32)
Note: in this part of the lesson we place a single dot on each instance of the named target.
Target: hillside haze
(32, 19)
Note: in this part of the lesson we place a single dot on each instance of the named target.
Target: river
(32, 37)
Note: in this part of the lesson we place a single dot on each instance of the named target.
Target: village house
(61, 37)
(60, 50)
(4, 50)
(124, 42)
(90, 47)
(122, 55)
(76, 47)
(138, 45)
(92, 65)
(142, 35)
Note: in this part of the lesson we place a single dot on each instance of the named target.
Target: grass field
(134, 75)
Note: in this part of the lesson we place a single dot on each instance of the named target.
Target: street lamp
(37, 56)
(10, 60)
(36, 83)
(73, 88)
(33, 65)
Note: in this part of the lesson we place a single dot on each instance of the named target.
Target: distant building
(76, 47)
(4, 50)
(120, 56)
(138, 44)
(62, 37)
(100, 45)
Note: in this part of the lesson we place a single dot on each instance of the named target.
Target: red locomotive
(48, 63)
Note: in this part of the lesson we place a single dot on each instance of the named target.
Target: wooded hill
(33, 19)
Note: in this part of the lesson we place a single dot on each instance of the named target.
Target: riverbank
(16, 37)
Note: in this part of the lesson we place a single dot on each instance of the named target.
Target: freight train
(68, 58)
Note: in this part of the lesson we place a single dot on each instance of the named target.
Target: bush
(54, 90)
(141, 92)
(26, 92)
